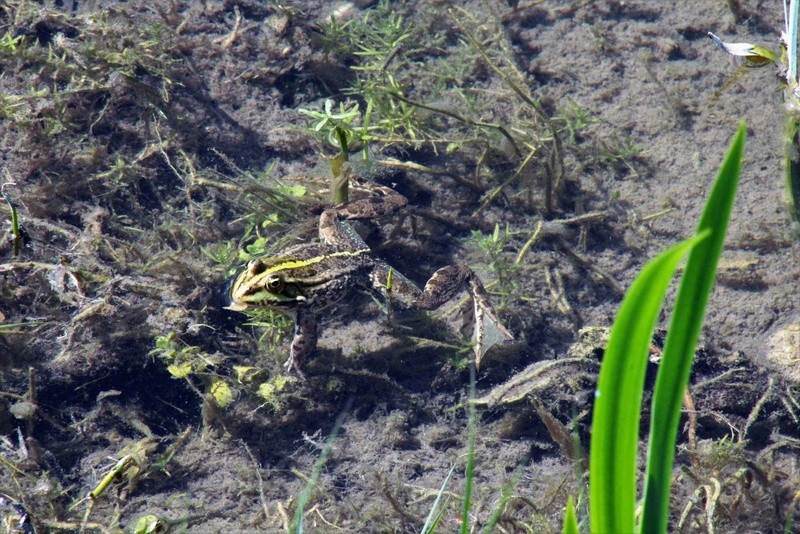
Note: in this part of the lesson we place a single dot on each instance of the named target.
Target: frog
(303, 280)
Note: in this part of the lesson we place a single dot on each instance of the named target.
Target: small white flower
(735, 49)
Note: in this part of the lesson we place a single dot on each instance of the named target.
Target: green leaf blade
(570, 519)
(687, 319)
(615, 423)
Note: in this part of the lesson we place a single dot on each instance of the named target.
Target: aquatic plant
(786, 59)
(620, 387)
(398, 93)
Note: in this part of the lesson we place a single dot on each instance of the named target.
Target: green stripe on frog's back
(296, 264)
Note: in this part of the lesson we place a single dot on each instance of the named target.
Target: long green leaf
(296, 526)
(679, 347)
(792, 139)
(570, 519)
(791, 39)
(469, 472)
(435, 514)
(615, 423)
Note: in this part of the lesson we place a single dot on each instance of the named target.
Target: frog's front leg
(442, 287)
(303, 342)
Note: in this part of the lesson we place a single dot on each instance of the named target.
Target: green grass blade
(435, 514)
(615, 423)
(507, 493)
(570, 519)
(684, 330)
(469, 475)
(296, 526)
(791, 39)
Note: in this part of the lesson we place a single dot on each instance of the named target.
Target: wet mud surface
(143, 147)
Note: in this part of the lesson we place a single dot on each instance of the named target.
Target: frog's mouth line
(241, 306)
(236, 306)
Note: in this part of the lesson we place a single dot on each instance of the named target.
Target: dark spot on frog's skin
(256, 267)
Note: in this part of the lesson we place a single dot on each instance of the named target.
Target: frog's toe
(292, 367)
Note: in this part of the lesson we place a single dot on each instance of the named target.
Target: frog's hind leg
(442, 287)
(489, 331)
(381, 201)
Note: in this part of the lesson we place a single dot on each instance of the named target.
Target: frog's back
(319, 262)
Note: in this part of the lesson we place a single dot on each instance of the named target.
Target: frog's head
(267, 283)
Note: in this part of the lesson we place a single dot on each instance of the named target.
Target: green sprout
(374, 42)
(181, 361)
(274, 326)
(223, 255)
(336, 126)
(494, 247)
(617, 153)
(8, 42)
(572, 119)
(340, 131)
(185, 361)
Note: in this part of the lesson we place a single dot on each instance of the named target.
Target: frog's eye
(274, 283)
(256, 267)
